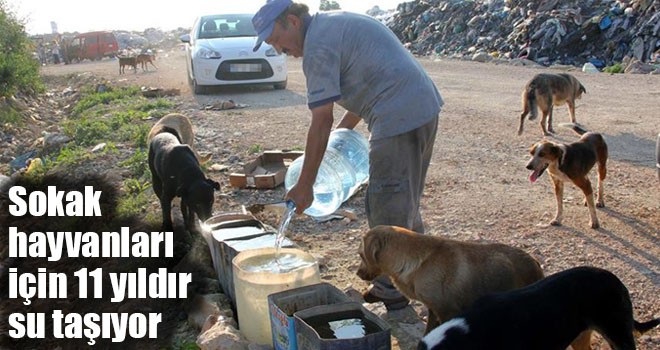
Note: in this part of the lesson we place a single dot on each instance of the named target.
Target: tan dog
(572, 163)
(447, 276)
(183, 128)
(545, 91)
(127, 61)
(144, 59)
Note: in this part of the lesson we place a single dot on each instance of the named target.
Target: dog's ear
(374, 244)
(214, 184)
(532, 150)
(555, 151)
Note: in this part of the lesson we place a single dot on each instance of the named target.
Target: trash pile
(568, 32)
(149, 38)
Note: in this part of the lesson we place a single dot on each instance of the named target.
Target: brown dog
(125, 61)
(572, 163)
(545, 91)
(445, 275)
(184, 130)
(144, 59)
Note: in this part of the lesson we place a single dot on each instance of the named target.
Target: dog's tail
(575, 127)
(643, 327)
(582, 89)
(530, 98)
(167, 129)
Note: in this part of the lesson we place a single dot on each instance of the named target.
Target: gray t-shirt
(357, 62)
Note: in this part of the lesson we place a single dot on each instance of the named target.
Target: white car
(219, 52)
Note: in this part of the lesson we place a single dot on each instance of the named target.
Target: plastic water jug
(345, 166)
(355, 148)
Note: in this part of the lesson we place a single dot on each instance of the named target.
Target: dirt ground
(477, 186)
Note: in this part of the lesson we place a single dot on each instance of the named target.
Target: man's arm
(302, 193)
(349, 120)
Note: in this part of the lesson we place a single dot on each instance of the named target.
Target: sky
(137, 15)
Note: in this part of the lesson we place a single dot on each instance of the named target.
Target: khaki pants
(397, 172)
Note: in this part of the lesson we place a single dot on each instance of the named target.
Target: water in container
(344, 169)
(259, 273)
(284, 224)
(355, 148)
(342, 325)
(328, 190)
(345, 166)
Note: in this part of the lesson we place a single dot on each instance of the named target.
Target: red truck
(91, 46)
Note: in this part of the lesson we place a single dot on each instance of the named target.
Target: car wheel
(199, 89)
(280, 86)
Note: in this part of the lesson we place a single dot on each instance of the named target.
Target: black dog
(546, 315)
(175, 172)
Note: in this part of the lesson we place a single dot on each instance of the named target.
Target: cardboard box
(284, 304)
(267, 171)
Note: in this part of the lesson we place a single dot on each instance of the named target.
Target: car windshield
(225, 26)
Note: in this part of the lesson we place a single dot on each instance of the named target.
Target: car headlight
(272, 52)
(204, 52)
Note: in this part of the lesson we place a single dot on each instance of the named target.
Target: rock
(222, 336)
(54, 141)
(481, 57)
(201, 307)
(637, 67)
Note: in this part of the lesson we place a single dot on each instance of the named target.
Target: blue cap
(264, 20)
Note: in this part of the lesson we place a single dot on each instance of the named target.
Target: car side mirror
(185, 38)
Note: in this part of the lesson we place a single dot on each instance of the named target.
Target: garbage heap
(568, 32)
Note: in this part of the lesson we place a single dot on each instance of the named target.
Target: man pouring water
(357, 62)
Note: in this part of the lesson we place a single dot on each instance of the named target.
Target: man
(355, 61)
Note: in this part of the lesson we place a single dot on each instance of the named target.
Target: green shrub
(103, 98)
(19, 72)
(9, 117)
(136, 198)
(616, 68)
(254, 149)
(137, 163)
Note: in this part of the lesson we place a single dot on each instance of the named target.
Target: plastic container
(328, 189)
(329, 327)
(219, 231)
(345, 166)
(255, 277)
(284, 304)
(355, 148)
(231, 249)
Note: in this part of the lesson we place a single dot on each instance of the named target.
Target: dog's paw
(595, 225)
(600, 204)
(555, 223)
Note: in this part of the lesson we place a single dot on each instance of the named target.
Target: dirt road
(477, 186)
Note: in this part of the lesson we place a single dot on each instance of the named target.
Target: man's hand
(302, 196)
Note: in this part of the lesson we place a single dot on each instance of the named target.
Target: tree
(329, 5)
(19, 72)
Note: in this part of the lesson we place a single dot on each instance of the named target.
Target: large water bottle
(337, 178)
(355, 148)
